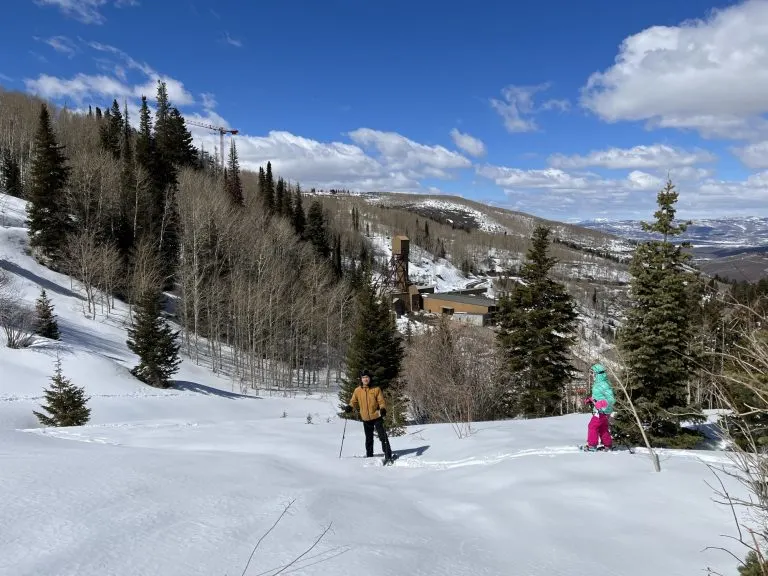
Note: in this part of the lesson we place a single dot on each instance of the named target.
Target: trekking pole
(343, 434)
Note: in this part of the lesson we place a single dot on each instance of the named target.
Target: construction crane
(221, 130)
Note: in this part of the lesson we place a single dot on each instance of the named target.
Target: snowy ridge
(185, 482)
(454, 212)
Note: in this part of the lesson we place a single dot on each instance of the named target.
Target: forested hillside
(129, 211)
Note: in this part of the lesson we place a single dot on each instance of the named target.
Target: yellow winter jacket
(369, 400)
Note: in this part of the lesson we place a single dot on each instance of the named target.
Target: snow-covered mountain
(187, 481)
(721, 233)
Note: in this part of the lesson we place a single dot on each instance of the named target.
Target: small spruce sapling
(46, 325)
(67, 403)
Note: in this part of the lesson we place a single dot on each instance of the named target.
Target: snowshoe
(388, 461)
(600, 448)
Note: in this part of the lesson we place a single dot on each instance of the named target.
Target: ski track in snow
(90, 433)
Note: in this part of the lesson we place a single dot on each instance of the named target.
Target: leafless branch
(285, 511)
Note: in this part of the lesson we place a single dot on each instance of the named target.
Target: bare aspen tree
(109, 272)
(83, 261)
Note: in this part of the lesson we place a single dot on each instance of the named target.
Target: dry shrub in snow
(450, 374)
(16, 318)
(743, 393)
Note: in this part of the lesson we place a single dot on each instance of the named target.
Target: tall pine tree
(268, 191)
(537, 323)
(299, 218)
(232, 179)
(111, 130)
(376, 346)
(164, 172)
(316, 231)
(67, 403)
(48, 216)
(656, 339)
(154, 342)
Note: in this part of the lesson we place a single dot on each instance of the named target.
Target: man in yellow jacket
(370, 402)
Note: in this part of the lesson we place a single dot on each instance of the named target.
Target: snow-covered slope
(423, 268)
(185, 482)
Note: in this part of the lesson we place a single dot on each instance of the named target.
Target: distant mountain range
(735, 248)
(717, 233)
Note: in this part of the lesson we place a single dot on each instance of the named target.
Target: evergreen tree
(337, 256)
(154, 342)
(164, 175)
(111, 130)
(299, 219)
(232, 181)
(46, 325)
(754, 565)
(48, 217)
(268, 191)
(181, 149)
(66, 403)
(279, 196)
(316, 232)
(376, 346)
(537, 324)
(123, 227)
(11, 175)
(144, 141)
(656, 338)
(163, 130)
(287, 206)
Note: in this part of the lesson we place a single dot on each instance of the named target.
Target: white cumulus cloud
(645, 157)
(709, 74)
(469, 144)
(754, 155)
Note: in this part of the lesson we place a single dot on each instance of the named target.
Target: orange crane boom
(221, 130)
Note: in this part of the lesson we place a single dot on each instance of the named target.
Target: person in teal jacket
(602, 401)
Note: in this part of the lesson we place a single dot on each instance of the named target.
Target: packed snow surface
(186, 481)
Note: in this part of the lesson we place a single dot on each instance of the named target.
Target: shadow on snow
(187, 386)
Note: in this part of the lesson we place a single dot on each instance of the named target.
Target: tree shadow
(39, 280)
(187, 386)
(405, 451)
(73, 334)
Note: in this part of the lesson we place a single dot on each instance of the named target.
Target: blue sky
(547, 107)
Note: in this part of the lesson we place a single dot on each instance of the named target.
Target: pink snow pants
(599, 428)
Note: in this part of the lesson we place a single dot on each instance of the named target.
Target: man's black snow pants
(378, 425)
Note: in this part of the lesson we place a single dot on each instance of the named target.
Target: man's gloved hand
(588, 401)
(600, 404)
(383, 412)
(347, 408)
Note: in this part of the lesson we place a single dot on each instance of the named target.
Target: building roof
(462, 299)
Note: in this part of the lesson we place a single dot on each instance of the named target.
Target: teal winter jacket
(602, 390)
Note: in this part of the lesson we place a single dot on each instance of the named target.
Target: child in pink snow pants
(602, 400)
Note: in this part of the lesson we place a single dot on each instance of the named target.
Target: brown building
(460, 304)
